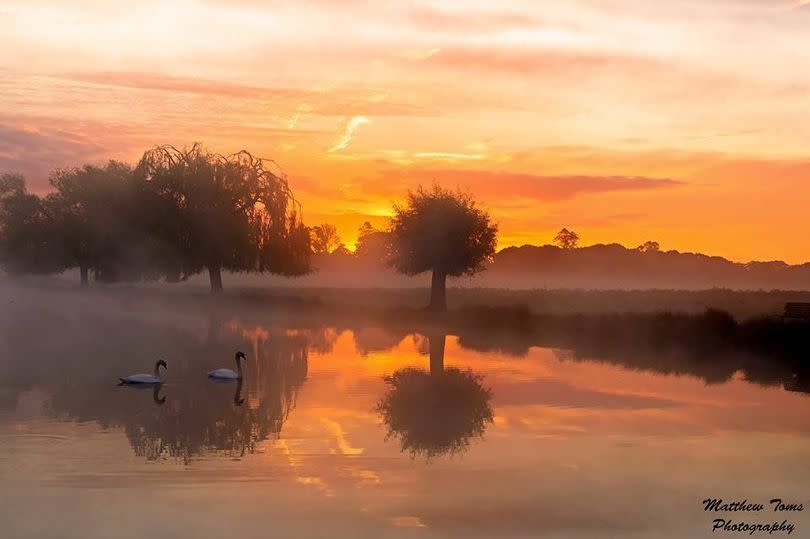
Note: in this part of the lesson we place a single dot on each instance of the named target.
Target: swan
(151, 379)
(228, 374)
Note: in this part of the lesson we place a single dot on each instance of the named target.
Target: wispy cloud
(533, 186)
(34, 152)
(348, 133)
(450, 156)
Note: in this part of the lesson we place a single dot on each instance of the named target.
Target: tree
(27, 242)
(649, 247)
(223, 212)
(372, 244)
(442, 232)
(567, 239)
(87, 214)
(324, 238)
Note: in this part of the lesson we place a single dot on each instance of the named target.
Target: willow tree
(442, 232)
(222, 212)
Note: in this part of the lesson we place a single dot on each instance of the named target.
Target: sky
(681, 121)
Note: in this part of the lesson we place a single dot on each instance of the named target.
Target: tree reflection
(187, 416)
(205, 416)
(438, 412)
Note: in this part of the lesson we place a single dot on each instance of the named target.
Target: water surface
(370, 432)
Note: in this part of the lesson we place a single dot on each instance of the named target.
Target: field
(741, 304)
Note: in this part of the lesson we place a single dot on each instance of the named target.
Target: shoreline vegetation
(617, 327)
(180, 214)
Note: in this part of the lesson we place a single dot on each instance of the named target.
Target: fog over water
(378, 429)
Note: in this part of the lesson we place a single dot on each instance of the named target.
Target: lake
(370, 432)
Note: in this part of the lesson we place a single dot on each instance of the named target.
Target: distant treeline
(610, 266)
(615, 266)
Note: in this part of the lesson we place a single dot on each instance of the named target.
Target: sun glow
(494, 100)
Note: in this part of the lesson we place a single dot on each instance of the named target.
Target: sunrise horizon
(624, 122)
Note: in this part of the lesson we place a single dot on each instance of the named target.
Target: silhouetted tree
(567, 239)
(442, 232)
(324, 238)
(649, 247)
(222, 212)
(438, 412)
(373, 245)
(86, 209)
(27, 243)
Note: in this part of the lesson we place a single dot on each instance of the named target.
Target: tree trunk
(436, 345)
(438, 291)
(215, 276)
(84, 272)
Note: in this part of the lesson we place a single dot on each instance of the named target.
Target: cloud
(35, 152)
(537, 187)
(439, 20)
(558, 393)
(348, 133)
(161, 82)
(356, 101)
(450, 156)
(522, 61)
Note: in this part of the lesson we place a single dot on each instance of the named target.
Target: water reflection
(599, 344)
(154, 389)
(799, 382)
(432, 412)
(579, 437)
(205, 416)
(436, 412)
(198, 416)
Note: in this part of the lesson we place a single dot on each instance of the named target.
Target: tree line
(179, 212)
(173, 215)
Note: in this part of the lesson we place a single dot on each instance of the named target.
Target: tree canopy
(567, 239)
(88, 215)
(372, 244)
(27, 243)
(178, 212)
(649, 247)
(223, 212)
(443, 232)
(324, 238)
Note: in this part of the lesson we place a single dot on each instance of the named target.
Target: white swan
(228, 374)
(150, 379)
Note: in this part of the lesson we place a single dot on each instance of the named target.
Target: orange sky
(684, 122)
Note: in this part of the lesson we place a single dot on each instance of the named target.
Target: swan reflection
(237, 383)
(154, 388)
(202, 416)
(215, 417)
